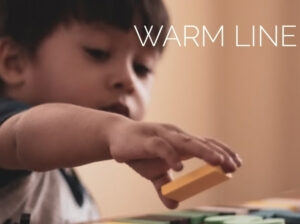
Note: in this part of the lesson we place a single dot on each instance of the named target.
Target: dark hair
(29, 22)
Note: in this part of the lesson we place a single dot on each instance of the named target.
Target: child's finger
(187, 145)
(158, 182)
(229, 160)
(229, 164)
(237, 159)
(158, 147)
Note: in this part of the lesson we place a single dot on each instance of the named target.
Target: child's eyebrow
(94, 39)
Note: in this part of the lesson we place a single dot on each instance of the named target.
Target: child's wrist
(114, 124)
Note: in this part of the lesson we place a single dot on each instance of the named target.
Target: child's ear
(12, 63)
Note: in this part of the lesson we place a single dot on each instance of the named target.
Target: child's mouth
(117, 108)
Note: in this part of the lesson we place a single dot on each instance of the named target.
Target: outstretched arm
(55, 135)
(52, 136)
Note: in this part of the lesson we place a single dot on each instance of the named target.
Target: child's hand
(152, 149)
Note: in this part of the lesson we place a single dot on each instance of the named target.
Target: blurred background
(246, 97)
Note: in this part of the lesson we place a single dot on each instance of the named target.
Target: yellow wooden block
(194, 182)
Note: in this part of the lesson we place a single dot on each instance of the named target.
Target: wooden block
(160, 219)
(225, 210)
(112, 222)
(194, 182)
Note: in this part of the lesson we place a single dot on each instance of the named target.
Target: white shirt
(47, 197)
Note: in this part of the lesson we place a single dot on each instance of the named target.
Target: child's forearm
(56, 135)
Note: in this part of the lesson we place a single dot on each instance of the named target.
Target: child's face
(98, 67)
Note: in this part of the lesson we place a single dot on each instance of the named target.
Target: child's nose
(122, 80)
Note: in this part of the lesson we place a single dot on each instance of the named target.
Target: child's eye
(141, 70)
(97, 54)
